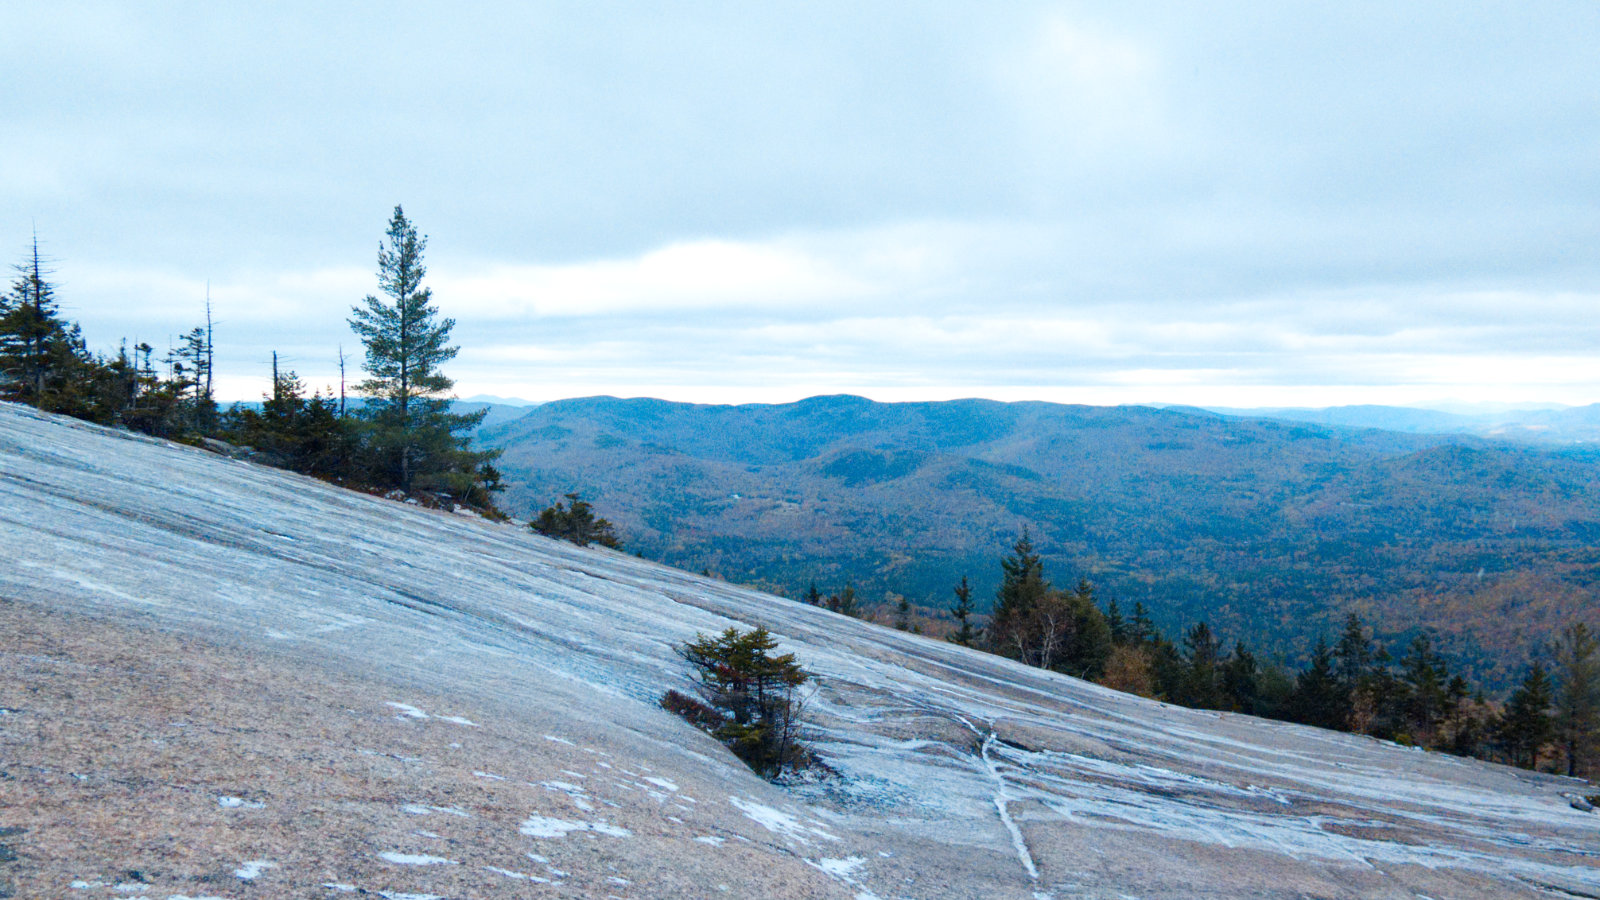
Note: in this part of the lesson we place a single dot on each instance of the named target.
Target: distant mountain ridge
(1563, 425)
(1268, 529)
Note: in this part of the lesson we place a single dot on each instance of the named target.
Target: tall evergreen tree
(192, 365)
(1120, 632)
(966, 635)
(412, 428)
(1141, 630)
(1317, 699)
(1425, 676)
(1201, 688)
(1526, 726)
(1577, 664)
(1274, 691)
(1022, 589)
(1091, 644)
(41, 354)
(902, 614)
(1168, 670)
(1239, 680)
(1353, 654)
(1381, 706)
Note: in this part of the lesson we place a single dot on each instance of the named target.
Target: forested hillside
(1269, 530)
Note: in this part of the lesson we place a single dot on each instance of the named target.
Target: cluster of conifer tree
(843, 601)
(576, 523)
(749, 698)
(399, 434)
(1354, 684)
(45, 363)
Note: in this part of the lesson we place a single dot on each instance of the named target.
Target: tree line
(399, 434)
(1408, 694)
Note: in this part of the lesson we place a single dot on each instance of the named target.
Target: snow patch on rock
(545, 827)
(239, 803)
(415, 859)
(250, 871)
(778, 822)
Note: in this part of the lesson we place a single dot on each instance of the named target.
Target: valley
(1269, 530)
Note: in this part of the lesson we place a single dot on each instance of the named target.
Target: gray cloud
(1107, 201)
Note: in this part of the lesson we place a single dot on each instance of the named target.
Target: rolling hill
(1270, 530)
(1563, 425)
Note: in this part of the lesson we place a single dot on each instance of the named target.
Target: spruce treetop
(404, 338)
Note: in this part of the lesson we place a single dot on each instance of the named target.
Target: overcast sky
(1236, 204)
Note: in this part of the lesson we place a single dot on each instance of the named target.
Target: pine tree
(1274, 691)
(146, 403)
(1141, 630)
(1425, 677)
(1120, 632)
(576, 523)
(116, 387)
(1201, 688)
(296, 432)
(813, 596)
(1167, 670)
(1022, 589)
(415, 435)
(1317, 699)
(1577, 665)
(1381, 707)
(192, 362)
(966, 635)
(844, 602)
(1239, 680)
(1090, 646)
(902, 614)
(281, 411)
(1526, 726)
(1353, 654)
(751, 694)
(42, 356)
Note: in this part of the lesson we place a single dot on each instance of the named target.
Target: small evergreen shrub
(748, 698)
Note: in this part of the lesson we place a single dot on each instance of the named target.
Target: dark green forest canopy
(1270, 531)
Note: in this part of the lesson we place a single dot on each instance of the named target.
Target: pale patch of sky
(1229, 204)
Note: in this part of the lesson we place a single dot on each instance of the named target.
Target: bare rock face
(223, 448)
(218, 679)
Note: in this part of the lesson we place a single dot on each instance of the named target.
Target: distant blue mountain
(1563, 425)
(492, 400)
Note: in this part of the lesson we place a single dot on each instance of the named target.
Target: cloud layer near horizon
(1225, 204)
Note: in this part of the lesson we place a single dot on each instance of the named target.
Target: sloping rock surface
(222, 680)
